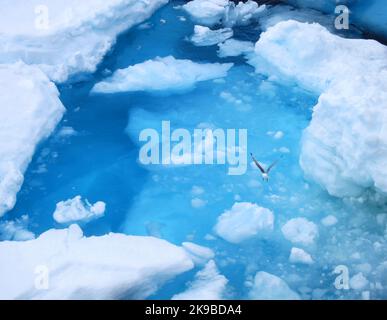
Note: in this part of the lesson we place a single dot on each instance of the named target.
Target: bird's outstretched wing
(272, 165)
(257, 164)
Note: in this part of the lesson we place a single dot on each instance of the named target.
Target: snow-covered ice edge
(344, 149)
(43, 41)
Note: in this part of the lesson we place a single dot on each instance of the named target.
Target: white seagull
(265, 173)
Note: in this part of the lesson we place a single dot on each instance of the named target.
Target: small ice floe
(76, 210)
(267, 286)
(265, 172)
(300, 230)
(244, 221)
(298, 255)
(208, 284)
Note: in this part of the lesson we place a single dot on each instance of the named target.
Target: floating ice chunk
(206, 12)
(199, 254)
(329, 221)
(298, 255)
(284, 150)
(358, 281)
(344, 148)
(234, 48)
(243, 221)
(300, 230)
(270, 287)
(66, 37)
(276, 134)
(105, 267)
(212, 12)
(76, 210)
(208, 285)
(204, 36)
(30, 110)
(16, 230)
(162, 74)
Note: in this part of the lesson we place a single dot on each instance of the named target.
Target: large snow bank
(29, 111)
(66, 37)
(204, 36)
(270, 287)
(76, 210)
(243, 221)
(344, 148)
(208, 285)
(106, 267)
(161, 74)
(225, 12)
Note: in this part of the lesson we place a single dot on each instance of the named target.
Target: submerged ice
(162, 74)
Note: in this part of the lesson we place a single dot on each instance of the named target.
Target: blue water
(100, 162)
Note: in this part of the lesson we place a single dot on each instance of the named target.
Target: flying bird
(265, 173)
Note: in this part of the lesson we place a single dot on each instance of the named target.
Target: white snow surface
(66, 37)
(162, 74)
(77, 210)
(344, 149)
(29, 111)
(208, 285)
(107, 267)
(244, 221)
